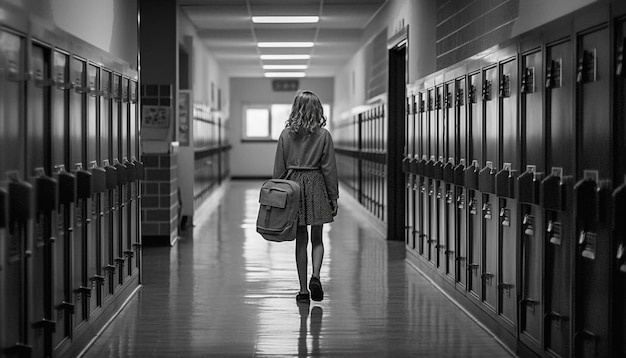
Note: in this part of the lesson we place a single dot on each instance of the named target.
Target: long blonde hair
(307, 113)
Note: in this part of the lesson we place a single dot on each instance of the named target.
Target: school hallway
(225, 291)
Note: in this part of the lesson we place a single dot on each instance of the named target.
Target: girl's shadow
(314, 328)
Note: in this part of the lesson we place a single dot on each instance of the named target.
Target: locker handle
(137, 246)
(487, 275)
(139, 168)
(46, 324)
(86, 291)
(619, 64)
(99, 279)
(486, 90)
(472, 266)
(120, 260)
(20, 194)
(529, 302)
(129, 253)
(506, 287)
(47, 193)
(460, 258)
(83, 184)
(67, 186)
(448, 252)
(440, 246)
(587, 335)
(109, 269)
(505, 88)
(66, 306)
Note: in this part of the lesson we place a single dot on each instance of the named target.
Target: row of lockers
(360, 145)
(515, 195)
(70, 240)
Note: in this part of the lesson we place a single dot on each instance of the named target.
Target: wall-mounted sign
(285, 85)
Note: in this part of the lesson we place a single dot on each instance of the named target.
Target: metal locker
(473, 200)
(409, 236)
(461, 134)
(120, 179)
(138, 167)
(130, 177)
(488, 210)
(507, 209)
(531, 232)
(77, 131)
(430, 219)
(46, 199)
(107, 207)
(591, 194)
(619, 195)
(438, 190)
(16, 296)
(93, 244)
(60, 266)
(558, 83)
(422, 181)
(413, 161)
(119, 106)
(448, 190)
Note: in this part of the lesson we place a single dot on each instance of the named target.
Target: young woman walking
(307, 148)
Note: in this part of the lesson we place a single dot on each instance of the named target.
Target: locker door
(78, 132)
(619, 196)
(439, 193)
(118, 217)
(93, 248)
(130, 177)
(135, 223)
(531, 233)
(422, 182)
(592, 191)
(430, 210)
(507, 202)
(60, 266)
(15, 296)
(409, 238)
(448, 197)
(473, 200)
(556, 198)
(462, 134)
(489, 274)
(107, 208)
(38, 148)
(413, 160)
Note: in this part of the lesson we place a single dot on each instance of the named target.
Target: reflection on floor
(224, 291)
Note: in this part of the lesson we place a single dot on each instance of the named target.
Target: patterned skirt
(315, 208)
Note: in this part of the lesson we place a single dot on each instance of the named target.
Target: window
(266, 122)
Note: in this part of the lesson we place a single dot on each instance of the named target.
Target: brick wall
(159, 205)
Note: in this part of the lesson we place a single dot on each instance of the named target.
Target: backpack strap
(286, 174)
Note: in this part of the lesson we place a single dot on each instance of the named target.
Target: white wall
(256, 159)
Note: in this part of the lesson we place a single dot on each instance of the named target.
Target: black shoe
(303, 298)
(317, 294)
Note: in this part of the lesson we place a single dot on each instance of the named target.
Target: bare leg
(302, 240)
(317, 251)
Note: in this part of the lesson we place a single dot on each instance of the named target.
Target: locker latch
(67, 307)
(438, 100)
(587, 241)
(530, 303)
(506, 287)
(460, 201)
(447, 100)
(430, 104)
(109, 269)
(448, 252)
(553, 74)
(505, 86)
(459, 97)
(140, 173)
(505, 217)
(619, 64)
(487, 211)
(556, 317)
(486, 90)
(621, 258)
(19, 349)
(47, 192)
(129, 253)
(82, 290)
(586, 68)
(47, 324)
(97, 279)
(449, 196)
(529, 225)
(440, 246)
(487, 277)
(20, 198)
(471, 94)
(472, 267)
(554, 232)
(528, 80)
(472, 206)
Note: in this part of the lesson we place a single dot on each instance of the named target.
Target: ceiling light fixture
(284, 74)
(285, 19)
(285, 67)
(285, 44)
(285, 57)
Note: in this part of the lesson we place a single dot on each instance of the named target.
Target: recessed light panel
(284, 74)
(285, 19)
(285, 44)
(285, 57)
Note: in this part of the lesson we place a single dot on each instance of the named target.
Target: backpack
(278, 212)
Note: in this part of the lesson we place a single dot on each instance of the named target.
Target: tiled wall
(160, 199)
(465, 28)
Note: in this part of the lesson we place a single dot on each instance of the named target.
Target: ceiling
(228, 32)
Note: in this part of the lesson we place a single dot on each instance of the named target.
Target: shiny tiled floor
(227, 292)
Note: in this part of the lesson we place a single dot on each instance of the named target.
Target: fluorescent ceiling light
(284, 67)
(285, 44)
(285, 57)
(285, 19)
(284, 74)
